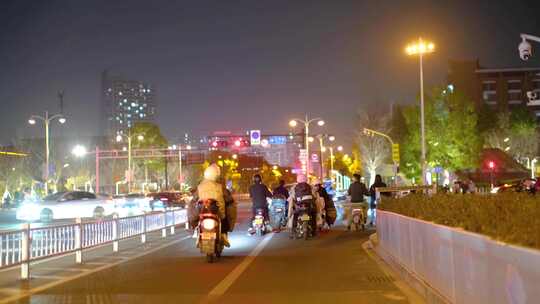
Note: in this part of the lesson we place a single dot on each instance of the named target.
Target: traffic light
(395, 153)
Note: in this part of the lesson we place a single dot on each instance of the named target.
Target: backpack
(303, 195)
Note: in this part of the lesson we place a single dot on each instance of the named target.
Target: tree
(514, 132)
(452, 138)
(152, 139)
(374, 150)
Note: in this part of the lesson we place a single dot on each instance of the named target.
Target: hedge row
(510, 217)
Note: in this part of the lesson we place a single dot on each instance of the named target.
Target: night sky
(252, 64)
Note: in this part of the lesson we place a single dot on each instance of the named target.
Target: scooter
(209, 240)
(303, 222)
(259, 223)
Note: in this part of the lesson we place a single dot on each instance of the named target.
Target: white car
(66, 205)
(132, 204)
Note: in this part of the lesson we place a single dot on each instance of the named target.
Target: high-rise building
(125, 102)
(501, 88)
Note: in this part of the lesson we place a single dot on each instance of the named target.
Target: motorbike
(278, 213)
(259, 224)
(303, 222)
(209, 230)
(358, 219)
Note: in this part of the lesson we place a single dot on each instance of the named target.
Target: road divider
(24, 246)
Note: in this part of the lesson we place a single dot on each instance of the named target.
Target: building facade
(501, 88)
(125, 102)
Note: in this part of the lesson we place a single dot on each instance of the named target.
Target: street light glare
(140, 137)
(332, 138)
(420, 47)
(320, 123)
(311, 139)
(118, 138)
(32, 121)
(340, 148)
(62, 120)
(293, 123)
(188, 147)
(79, 151)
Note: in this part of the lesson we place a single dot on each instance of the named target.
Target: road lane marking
(27, 293)
(222, 287)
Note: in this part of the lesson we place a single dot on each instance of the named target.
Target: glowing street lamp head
(62, 120)
(340, 148)
(293, 123)
(79, 151)
(118, 138)
(323, 149)
(332, 138)
(237, 143)
(140, 137)
(235, 156)
(311, 139)
(188, 147)
(420, 47)
(320, 123)
(32, 121)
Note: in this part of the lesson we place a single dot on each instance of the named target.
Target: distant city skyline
(223, 66)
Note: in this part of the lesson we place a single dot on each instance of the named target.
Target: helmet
(212, 172)
(301, 178)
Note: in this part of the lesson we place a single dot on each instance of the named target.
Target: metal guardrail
(21, 247)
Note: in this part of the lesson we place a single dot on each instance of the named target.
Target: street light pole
(130, 175)
(46, 120)
(422, 120)
(420, 48)
(306, 123)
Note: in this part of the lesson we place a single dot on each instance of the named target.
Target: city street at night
(269, 269)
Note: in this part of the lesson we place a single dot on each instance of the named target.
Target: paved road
(271, 269)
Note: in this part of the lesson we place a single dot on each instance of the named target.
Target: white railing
(21, 247)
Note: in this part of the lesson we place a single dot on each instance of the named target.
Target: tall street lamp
(420, 48)
(180, 164)
(339, 148)
(294, 122)
(321, 138)
(119, 138)
(47, 120)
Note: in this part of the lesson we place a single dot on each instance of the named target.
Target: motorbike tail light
(208, 224)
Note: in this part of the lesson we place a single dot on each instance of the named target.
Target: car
(66, 205)
(131, 204)
(166, 199)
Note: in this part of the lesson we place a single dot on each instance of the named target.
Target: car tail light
(209, 224)
(164, 199)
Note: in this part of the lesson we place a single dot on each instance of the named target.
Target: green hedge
(511, 217)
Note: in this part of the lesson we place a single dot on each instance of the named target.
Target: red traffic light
(491, 164)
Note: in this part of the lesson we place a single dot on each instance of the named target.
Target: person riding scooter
(258, 192)
(302, 192)
(211, 189)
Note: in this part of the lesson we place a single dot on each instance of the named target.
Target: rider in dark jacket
(281, 190)
(258, 192)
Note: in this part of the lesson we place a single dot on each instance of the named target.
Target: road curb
(428, 293)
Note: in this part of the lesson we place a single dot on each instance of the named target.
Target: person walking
(373, 194)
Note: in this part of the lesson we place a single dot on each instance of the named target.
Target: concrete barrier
(461, 266)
